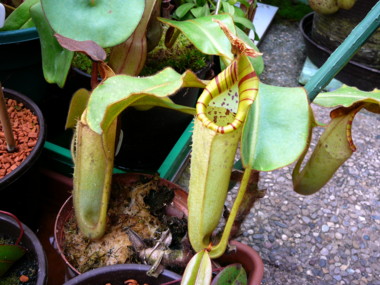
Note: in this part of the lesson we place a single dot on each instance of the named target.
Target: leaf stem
(220, 248)
(6, 123)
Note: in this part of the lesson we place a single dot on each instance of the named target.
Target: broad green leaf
(106, 22)
(199, 270)
(115, 94)
(276, 131)
(19, 16)
(182, 10)
(346, 96)
(257, 62)
(206, 35)
(228, 8)
(9, 254)
(77, 106)
(334, 147)
(233, 274)
(56, 60)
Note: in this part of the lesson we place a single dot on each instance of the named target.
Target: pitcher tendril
(239, 47)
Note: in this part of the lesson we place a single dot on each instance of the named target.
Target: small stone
(258, 236)
(280, 224)
(322, 262)
(24, 278)
(338, 236)
(250, 232)
(325, 228)
(306, 219)
(324, 251)
(284, 237)
(366, 237)
(337, 277)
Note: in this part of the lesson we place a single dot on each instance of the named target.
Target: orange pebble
(24, 278)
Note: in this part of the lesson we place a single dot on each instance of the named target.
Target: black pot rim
(302, 24)
(30, 238)
(17, 36)
(37, 150)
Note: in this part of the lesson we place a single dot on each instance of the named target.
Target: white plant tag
(2, 15)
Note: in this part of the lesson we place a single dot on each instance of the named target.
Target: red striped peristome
(239, 72)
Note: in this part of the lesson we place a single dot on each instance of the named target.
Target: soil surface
(139, 207)
(25, 129)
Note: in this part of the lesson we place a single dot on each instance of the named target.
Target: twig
(6, 123)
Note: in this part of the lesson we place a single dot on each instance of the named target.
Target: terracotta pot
(117, 274)
(20, 190)
(244, 254)
(30, 241)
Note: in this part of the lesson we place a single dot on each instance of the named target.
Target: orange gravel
(25, 129)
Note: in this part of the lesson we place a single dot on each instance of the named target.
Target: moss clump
(182, 56)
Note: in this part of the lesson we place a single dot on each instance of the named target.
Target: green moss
(182, 56)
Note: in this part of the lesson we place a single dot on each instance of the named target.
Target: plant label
(2, 15)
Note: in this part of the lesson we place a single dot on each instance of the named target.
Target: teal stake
(344, 52)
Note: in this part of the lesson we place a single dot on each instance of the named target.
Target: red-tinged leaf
(90, 48)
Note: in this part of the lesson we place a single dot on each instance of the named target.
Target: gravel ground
(333, 236)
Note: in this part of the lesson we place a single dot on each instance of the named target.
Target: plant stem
(6, 123)
(344, 52)
(220, 248)
(217, 7)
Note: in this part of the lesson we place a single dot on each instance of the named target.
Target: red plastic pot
(244, 254)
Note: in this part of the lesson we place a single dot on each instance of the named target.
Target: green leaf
(257, 62)
(56, 60)
(77, 106)
(276, 131)
(9, 254)
(182, 10)
(245, 22)
(347, 96)
(199, 270)
(201, 11)
(115, 94)
(228, 8)
(106, 22)
(334, 147)
(19, 17)
(206, 35)
(233, 274)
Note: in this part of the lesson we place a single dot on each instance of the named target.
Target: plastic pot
(29, 241)
(244, 254)
(354, 73)
(21, 65)
(117, 274)
(20, 189)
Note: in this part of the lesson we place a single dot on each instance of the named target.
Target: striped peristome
(241, 73)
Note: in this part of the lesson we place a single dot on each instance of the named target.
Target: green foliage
(233, 274)
(191, 9)
(289, 9)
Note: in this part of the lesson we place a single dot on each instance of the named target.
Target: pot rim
(17, 36)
